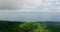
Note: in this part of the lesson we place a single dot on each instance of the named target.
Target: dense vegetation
(43, 26)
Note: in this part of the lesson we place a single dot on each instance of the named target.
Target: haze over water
(30, 16)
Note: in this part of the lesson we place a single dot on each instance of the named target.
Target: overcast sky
(29, 5)
(35, 10)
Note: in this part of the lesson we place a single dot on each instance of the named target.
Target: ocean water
(30, 16)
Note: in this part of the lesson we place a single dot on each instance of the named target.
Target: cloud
(31, 3)
(28, 5)
(18, 4)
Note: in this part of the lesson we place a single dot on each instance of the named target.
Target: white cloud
(58, 9)
(19, 4)
(31, 3)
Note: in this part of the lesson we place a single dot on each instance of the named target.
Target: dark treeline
(43, 26)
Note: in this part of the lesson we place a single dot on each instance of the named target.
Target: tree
(32, 27)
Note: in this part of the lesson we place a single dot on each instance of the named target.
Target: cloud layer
(30, 5)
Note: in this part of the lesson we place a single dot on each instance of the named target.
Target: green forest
(19, 26)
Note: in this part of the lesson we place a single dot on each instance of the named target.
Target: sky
(29, 5)
(30, 10)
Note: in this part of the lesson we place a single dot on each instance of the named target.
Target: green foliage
(14, 26)
(32, 27)
(7, 26)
